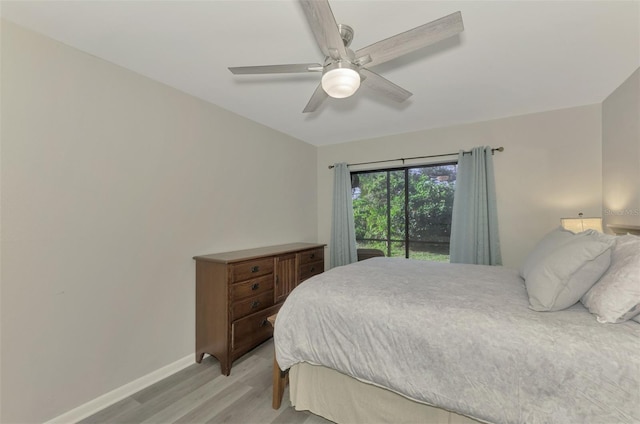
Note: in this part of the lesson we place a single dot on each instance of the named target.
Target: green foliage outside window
(381, 220)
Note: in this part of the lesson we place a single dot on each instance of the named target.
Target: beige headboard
(621, 229)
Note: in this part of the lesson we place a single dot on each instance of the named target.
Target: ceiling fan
(344, 70)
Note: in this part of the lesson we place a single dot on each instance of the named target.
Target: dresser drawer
(251, 305)
(251, 269)
(251, 288)
(311, 256)
(251, 331)
(309, 270)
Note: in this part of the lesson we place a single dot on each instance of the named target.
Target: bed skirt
(342, 399)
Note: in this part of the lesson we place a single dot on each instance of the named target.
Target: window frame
(407, 242)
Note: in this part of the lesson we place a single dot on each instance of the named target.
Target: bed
(398, 340)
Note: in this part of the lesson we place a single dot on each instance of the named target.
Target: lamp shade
(578, 225)
(340, 82)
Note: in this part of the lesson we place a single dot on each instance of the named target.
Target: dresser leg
(225, 364)
(225, 368)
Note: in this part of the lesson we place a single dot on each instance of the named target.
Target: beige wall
(551, 168)
(621, 153)
(111, 182)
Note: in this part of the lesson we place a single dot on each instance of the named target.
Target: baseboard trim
(116, 395)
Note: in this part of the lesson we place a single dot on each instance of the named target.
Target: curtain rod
(498, 149)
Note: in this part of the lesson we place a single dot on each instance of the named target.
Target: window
(405, 211)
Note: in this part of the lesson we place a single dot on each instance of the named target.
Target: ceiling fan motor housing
(346, 33)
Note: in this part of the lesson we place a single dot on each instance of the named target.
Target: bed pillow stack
(616, 297)
(564, 266)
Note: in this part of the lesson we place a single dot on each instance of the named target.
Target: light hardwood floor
(200, 394)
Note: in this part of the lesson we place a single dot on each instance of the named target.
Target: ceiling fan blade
(411, 40)
(277, 69)
(383, 86)
(316, 99)
(324, 27)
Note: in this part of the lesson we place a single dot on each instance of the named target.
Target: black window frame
(406, 241)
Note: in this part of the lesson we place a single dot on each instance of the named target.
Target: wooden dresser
(237, 291)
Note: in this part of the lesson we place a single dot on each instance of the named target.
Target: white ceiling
(514, 57)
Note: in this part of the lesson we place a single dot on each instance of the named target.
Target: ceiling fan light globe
(340, 82)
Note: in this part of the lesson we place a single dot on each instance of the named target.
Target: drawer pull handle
(254, 304)
(255, 286)
(313, 255)
(313, 268)
(255, 268)
(264, 323)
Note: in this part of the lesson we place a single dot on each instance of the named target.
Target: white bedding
(462, 337)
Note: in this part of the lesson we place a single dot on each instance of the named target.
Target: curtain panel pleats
(342, 245)
(474, 222)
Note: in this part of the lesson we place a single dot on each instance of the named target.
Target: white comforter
(461, 337)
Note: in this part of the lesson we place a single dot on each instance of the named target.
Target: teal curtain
(343, 234)
(474, 222)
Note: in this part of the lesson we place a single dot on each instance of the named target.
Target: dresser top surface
(243, 255)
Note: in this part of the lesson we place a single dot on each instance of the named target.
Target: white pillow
(548, 243)
(616, 297)
(559, 279)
